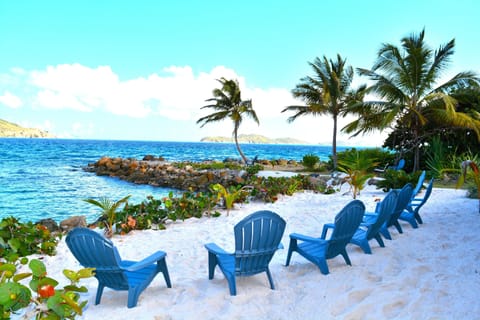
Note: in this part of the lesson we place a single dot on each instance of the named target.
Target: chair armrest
(302, 237)
(327, 226)
(151, 259)
(370, 214)
(215, 249)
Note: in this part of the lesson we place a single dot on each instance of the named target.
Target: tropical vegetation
(406, 80)
(358, 168)
(109, 212)
(42, 298)
(475, 176)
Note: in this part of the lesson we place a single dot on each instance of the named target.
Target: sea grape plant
(19, 239)
(41, 299)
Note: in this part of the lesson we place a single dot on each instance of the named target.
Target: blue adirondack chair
(419, 185)
(257, 237)
(371, 230)
(93, 250)
(411, 213)
(318, 250)
(399, 166)
(404, 197)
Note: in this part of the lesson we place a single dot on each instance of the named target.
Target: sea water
(44, 178)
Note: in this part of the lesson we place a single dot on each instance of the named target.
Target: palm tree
(405, 80)
(327, 92)
(228, 104)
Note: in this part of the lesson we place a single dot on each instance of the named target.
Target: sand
(427, 273)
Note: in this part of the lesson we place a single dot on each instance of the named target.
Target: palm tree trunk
(334, 143)
(235, 136)
(416, 152)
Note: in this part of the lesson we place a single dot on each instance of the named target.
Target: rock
(150, 157)
(73, 222)
(51, 225)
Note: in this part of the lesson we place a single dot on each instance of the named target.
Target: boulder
(51, 225)
(73, 222)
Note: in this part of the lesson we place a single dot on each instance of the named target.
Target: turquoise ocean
(44, 178)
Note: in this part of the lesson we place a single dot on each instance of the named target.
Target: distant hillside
(254, 138)
(12, 130)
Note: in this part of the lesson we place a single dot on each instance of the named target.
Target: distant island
(254, 138)
(12, 130)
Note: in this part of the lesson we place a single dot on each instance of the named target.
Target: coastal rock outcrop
(73, 222)
(157, 172)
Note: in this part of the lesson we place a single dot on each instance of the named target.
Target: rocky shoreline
(155, 171)
(159, 173)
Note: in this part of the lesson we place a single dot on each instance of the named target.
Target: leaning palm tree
(327, 92)
(228, 104)
(405, 79)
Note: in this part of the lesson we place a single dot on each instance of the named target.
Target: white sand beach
(432, 272)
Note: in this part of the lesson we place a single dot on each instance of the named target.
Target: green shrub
(310, 161)
(358, 167)
(156, 212)
(19, 239)
(251, 170)
(378, 155)
(396, 179)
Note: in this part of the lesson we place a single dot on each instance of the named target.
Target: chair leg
(323, 266)
(292, 247)
(418, 218)
(270, 279)
(133, 294)
(379, 239)
(345, 256)
(366, 247)
(232, 284)
(212, 263)
(163, 268)
(413, 222)
(384, 231)
(398, 226)
(99, 293)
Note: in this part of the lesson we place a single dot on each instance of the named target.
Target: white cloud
(10, 100)
(175, 94)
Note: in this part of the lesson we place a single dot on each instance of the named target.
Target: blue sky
(141, 70)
